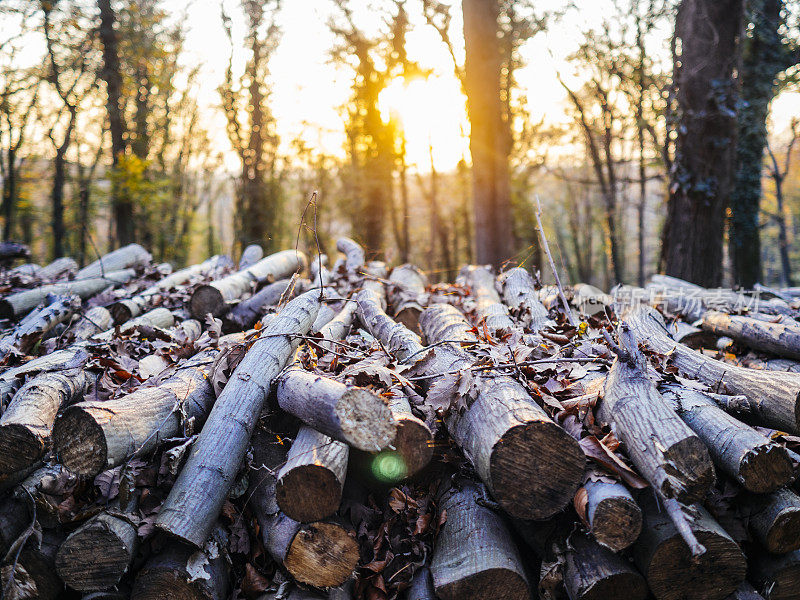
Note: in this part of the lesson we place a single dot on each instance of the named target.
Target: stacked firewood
(288, 428)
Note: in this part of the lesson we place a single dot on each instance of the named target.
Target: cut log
(57, 268)
(520, 296)
(245, 314)
(414, 440)
(37, 324)
(398, 340)
(310, 483)
(213, 297)
(664, 449)
(775, 338)
(95, 556)
(132, 256)
(337, 328)
(93, 321)
(92, 436)
(773, 395)
(475, 557)
(73, 357)
(180, 572)
(160, 318)
(669, 567)
(250, 256)
(592, 572)
(13, 250)
(421, 587)
(37, 485)
(197, 497)
(20, 303)
(28, 270)
(406, 289)
(615, 519)
(774, 520)
(353, 415)
(745, 592)
(353, 254)
(590, 300)
(373, 277)
(776, 577)
(318, 554)
(488, 307)
(530, 464)
(35, 568)
(27, 423)
(129, 308)
(752, 459)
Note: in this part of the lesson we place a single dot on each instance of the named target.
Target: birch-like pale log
(132, 256)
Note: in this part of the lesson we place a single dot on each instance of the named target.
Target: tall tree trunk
(783, 239)
(122, 205)
(488, 140)
(763, 57)
(9, 193)
(702, 174)
(84, 198)
(59, 179)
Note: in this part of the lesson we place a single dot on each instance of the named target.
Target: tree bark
(489, 136)
(614, 517)
(751, 458)
(132, 256)
(213, 297)
(74, 357)
(592, 572)
(774, 520)
(27, 424)
(703, 170)
(407, 285)
(775, 338)
(37, 324)
(57, 268)
(202, 486)
(669, 567)
(245, 314)
(399, 341)
(310, 484)
(421, 587)
(93, 321)
(475, 557)
(250, 256)
(520, 296)
(488, 308)
(353, 415)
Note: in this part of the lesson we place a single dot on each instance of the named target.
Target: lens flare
(389, 467)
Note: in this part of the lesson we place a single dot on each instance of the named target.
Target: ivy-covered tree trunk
(764, 56)
(703, 171)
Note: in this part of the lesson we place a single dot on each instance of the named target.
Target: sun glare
(431, 112)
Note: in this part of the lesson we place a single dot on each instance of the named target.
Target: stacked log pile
(285, 429)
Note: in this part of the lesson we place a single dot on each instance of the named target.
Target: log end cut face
(93, 558)
(630, 586)
(6, 310)
(166, 584)
(617, 523)
(366, 421)
(784, 583)
(491, 583)
(20, 447)
(79, 442)
(120, 312)
(673, 574)
(689, 470)
(784, 534)
(309, 493)
(322, 555)
(414, 444)
(765, 468)
(536, 469)
(206, 299)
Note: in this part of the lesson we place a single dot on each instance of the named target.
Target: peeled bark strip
(774, 520)
(213, 298)
(475, 557)
(250, 256)
(773, 395)
(353, 415)
(664, 449)
(776, 338)
(93, 321)
(592, 572)
(202, 486)
(20, 303)
(57, 268)
(180, 573)
(531, 465)
(245, 314)
(751, 458)
(318, 554)
(131, 256)
(614, 517)
(407, 285)
(776, 577)
(27, 423)
(95, 556)
(669, 567)
(488, 307)
(92, 436)
(33, 327)
(399, 341)
(521, 297)
(129, 308)
(11, 380)
(310, 484)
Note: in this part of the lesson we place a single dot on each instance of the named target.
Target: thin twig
(546, 246)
